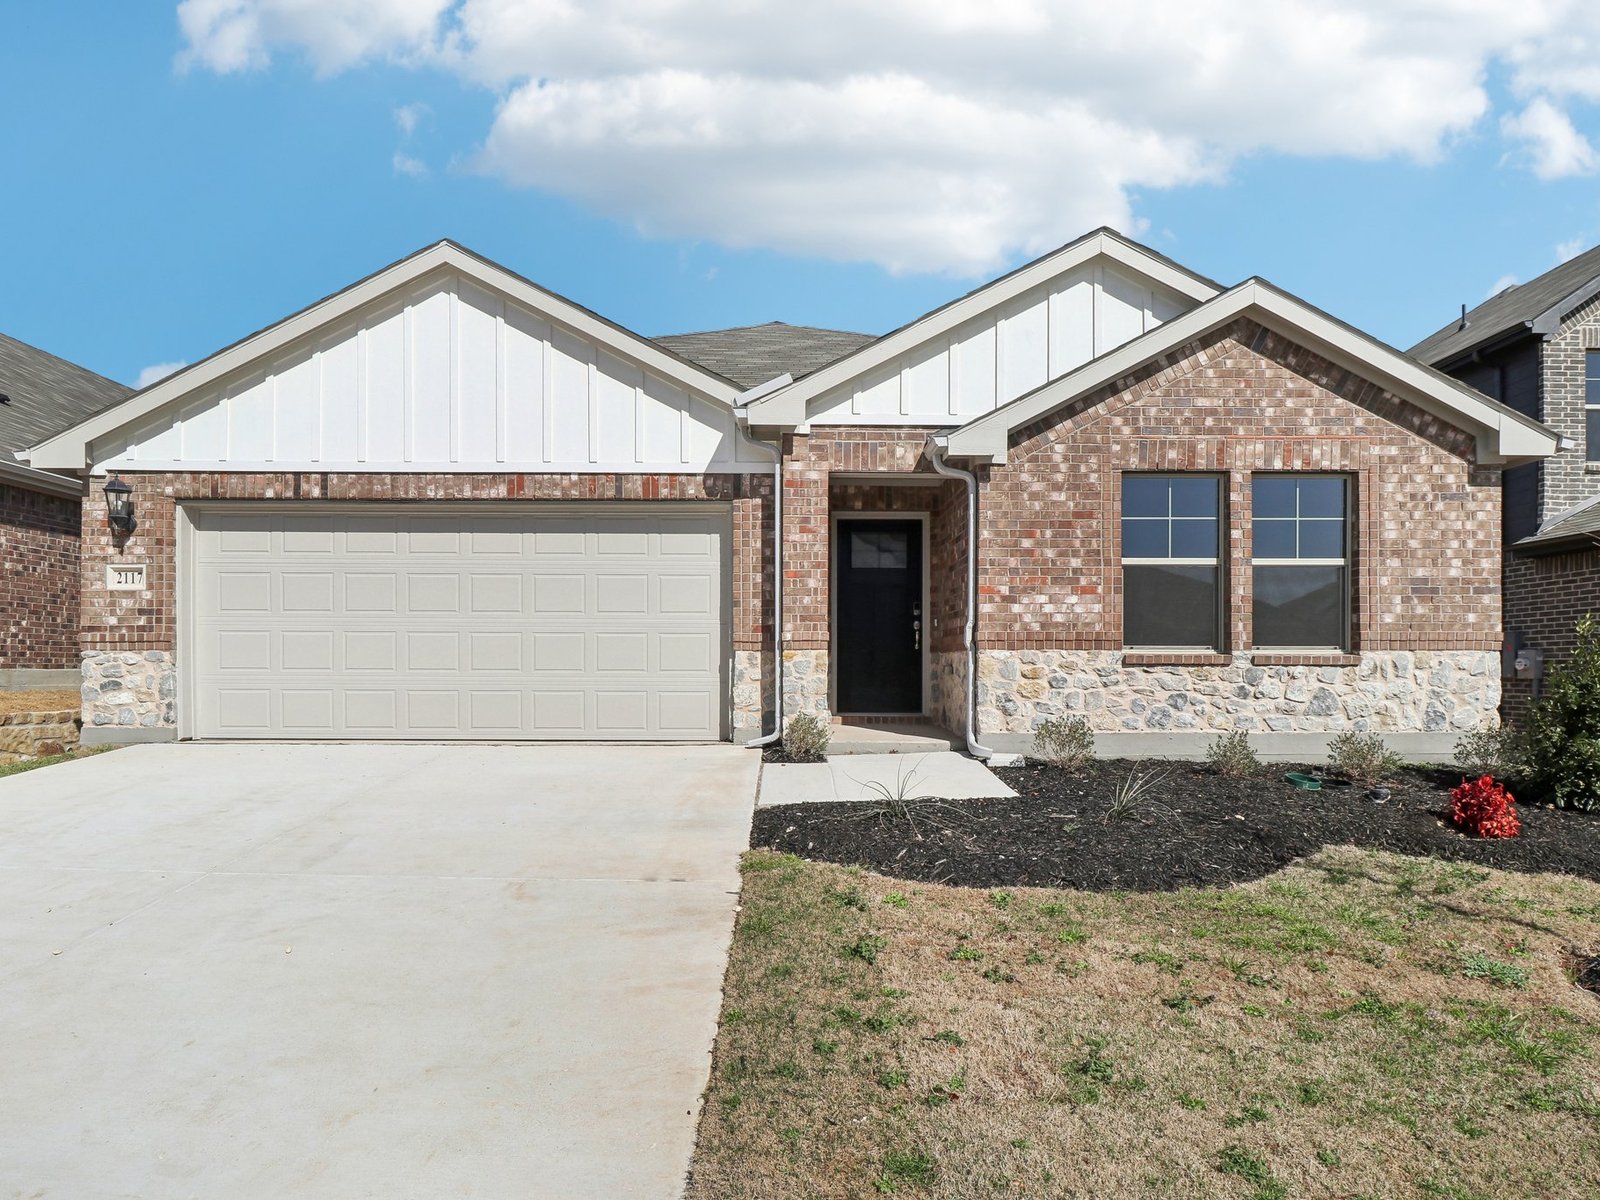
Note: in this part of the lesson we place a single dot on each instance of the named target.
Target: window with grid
(1301, 561)
(1591, 404)
(1171, 572)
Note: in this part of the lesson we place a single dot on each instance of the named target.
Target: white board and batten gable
(998, 343)
(443, 373)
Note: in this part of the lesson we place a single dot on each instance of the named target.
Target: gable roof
(45, 395)
(1577, 527)
(787, 405)
(1504, 435)
(751, 355)
(68, 450)
(1526, 309)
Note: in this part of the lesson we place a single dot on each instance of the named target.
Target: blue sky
(162, 199)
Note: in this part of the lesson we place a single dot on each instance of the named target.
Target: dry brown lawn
(39, 700)
(1359, 1025)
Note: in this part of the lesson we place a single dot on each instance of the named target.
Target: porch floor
(874, 735)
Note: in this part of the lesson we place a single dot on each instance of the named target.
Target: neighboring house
(445, 503)
(41, 395)
(1536, 347)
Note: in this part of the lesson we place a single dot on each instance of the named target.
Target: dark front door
(878, 616)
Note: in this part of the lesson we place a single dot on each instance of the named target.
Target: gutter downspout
(776, 450)
(968, 641)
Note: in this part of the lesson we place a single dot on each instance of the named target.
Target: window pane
(1299, 606)
(1194, 539)
(1272, 496)
(1273, 539)
(877, 550)
(1144, 496)
(1592, 435)
(1169, 606)
(1193, 497)
(1321, 539)
(1144, 539)
(1321, 497)
(1593, 373)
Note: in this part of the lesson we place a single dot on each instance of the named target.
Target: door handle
(916, 635)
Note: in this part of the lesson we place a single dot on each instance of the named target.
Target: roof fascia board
(1548, 323)
(1504, 435)
(69, 448)
(41, 481)
(788, 407)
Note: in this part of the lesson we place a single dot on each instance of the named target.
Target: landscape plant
(1232, 756)
(1065, 742)
(1493, 750)
(1563, 739)
(1362, 757)
(805, 738)
(1484, 808)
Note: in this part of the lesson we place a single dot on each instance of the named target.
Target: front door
(878, 616)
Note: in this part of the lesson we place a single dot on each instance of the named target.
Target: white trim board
(1504, 435)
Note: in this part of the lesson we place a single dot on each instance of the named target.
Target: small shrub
(1493, 750)
(805, 739)
(1484, 808)
(1563, 742)
(1133, 793)
(1065, 742)
(1362, 757)
(1231, 755)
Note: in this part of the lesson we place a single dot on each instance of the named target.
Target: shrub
(1362, 757)
(1563, 740)
(1484, 808)
(1493, 750)
(805, 738)
(1232, 755)
(1065, 742)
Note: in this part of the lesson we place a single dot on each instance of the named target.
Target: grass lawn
(50, 760)
(1358, 1025)
(39, 700)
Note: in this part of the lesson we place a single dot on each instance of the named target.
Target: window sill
(1175, 658)
(1591, 468)
(1303, 658)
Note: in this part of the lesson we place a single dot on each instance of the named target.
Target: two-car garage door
(496, 622)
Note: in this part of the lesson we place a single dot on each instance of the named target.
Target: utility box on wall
(1528, 663)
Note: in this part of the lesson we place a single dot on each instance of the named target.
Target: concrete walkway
(944, 775)
(363, 971)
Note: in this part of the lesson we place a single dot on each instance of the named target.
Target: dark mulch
(1196, 829)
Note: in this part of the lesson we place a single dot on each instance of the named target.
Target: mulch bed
(1196, 829)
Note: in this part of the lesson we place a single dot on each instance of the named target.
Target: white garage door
(553, 621)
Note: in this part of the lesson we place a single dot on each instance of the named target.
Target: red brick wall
(148, 620)
(1427, 560)
(39, 583)
(1545, 599)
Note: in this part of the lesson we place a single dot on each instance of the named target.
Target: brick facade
(1427, 548)
(39, 545)
(1545, 598)
(1567, 478)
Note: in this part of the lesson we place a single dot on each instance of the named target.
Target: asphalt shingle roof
(1508, 310)
(1579, 526)
(752, 354)
(46, 395)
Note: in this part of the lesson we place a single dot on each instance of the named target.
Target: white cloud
(1500, 285)
(405, 164)
(1554, 147)
(925, 134)
(1570, 249)
(156, 372)
(409, 116)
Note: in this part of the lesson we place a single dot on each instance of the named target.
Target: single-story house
(1536, 347)
(447, 503)
(41, 395)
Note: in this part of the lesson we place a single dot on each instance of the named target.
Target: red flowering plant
(1483, 807)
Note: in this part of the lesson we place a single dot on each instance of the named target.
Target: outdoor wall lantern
(119, 506)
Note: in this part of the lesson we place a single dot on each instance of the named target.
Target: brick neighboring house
(445, 503)
(1536, 347)
(41, 395)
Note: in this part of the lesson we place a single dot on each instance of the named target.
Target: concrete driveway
(347, 971)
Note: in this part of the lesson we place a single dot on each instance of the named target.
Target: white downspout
(776, 450)
(968, 640)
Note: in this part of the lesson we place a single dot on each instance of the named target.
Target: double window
(1171, 572)
(1591, 404)
(1172, 562)
(1300, 561)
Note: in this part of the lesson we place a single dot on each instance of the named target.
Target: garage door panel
(543, 624)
